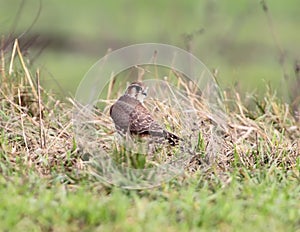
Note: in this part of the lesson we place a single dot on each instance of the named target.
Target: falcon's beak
(145, 91)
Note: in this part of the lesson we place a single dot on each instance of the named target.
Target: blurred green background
(245, 44)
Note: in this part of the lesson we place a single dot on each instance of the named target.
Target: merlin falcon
(131, 116)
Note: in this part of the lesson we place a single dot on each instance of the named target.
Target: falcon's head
(137, 90)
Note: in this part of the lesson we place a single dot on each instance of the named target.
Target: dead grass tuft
(36, 128)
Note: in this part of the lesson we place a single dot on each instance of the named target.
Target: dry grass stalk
(38, 128)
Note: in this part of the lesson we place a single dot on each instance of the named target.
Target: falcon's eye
(138, 88)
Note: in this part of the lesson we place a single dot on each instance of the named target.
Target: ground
(46, 184)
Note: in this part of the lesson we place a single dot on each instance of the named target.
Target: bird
(131, 116)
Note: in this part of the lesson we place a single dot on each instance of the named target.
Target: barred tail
(172, 138)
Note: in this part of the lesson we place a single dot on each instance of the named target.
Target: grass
(257, 201)
(45, 184)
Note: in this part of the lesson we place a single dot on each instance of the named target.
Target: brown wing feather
(120, 112)
(141, 122)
